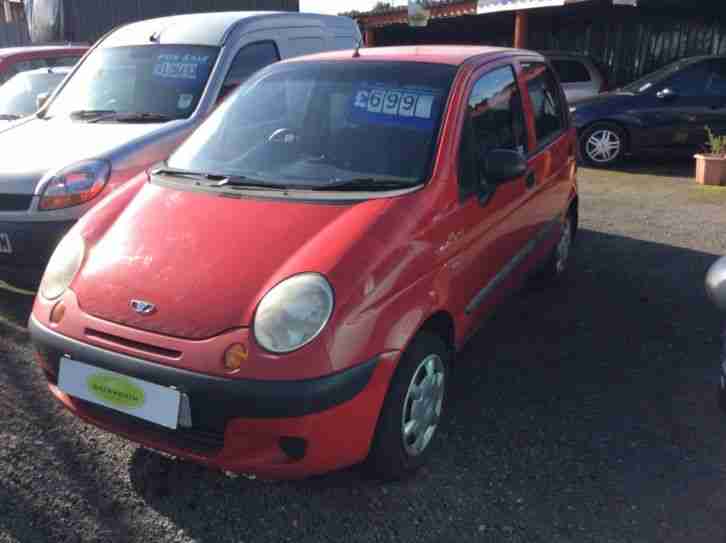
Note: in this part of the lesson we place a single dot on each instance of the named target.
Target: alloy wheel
(603, 146)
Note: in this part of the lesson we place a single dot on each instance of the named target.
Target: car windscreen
(653, 79)
(326, 123)
(165, 80)
(18, 96)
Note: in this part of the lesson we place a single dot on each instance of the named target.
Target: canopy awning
(495, 6)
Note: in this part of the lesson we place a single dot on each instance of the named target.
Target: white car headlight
(293, 313)
(62, 267)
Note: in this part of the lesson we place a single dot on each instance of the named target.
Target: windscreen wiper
(9, 117)
(146, 117)
(219, 180)
(241, 181)
(90, 114)
(365, 183)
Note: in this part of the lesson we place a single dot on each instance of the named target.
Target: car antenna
(356, 53)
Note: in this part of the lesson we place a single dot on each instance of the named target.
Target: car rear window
(571, 71)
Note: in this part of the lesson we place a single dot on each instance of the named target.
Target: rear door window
(691, 80)
(548, 106)
(495, 121)
(571, 71)
(717, 81)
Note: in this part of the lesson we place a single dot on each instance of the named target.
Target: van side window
(495, 121)
(549, 110)
(251, 58)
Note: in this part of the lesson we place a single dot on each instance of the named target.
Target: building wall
(632, 42)
(13, 34)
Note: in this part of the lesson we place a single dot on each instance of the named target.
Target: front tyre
(412, 410)
(602, 145)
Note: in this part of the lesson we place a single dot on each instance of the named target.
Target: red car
(285, 295)
(14, 60)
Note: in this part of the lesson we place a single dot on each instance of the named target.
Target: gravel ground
(581, 413)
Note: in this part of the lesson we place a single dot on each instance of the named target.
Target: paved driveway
(583, 413)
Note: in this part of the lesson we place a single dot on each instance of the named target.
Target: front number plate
(5, 246)
(147, 401)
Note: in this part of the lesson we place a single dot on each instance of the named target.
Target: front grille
(195, 440)
(152, 349)
(15, 202)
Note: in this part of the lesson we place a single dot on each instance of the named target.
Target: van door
(553, 157)
(489, 222)
(295, 42)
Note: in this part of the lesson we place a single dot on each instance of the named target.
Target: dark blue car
(665, 111)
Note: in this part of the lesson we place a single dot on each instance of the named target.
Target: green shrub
(716, 144)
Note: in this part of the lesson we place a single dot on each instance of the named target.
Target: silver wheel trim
(563, 247)
(422, 405)
(603, 146)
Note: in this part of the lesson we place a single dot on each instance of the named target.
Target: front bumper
(278, 429)
(31, 245)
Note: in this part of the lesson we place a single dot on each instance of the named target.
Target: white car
(581, 75)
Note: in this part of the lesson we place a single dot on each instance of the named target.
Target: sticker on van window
(185, 101)
(171, 66)
(395, 106)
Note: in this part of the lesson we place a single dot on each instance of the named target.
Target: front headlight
(62, 267)
(293, 313)
(75, 185)
(573, 109)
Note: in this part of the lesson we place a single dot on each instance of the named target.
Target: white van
(127, 104)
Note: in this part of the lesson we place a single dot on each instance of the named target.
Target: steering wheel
(284, 135)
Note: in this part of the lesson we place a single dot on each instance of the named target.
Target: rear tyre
(602, 145)
(411, 411)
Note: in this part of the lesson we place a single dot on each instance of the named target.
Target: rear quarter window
(571, 71)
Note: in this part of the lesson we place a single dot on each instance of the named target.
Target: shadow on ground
(581, 410)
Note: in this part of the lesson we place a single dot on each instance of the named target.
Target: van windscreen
(364, 125)
(165, 81)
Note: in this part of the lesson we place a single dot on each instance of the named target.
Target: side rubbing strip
(512, 264)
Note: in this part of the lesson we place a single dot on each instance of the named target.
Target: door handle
(530, 180)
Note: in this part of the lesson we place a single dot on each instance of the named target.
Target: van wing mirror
(503, 165)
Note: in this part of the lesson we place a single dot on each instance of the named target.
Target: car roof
(454, 55)
(12, 51)
(212, 29)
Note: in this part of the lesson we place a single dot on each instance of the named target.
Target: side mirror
(41, 99)
(503, 165)
(716, 283)
(667, 94)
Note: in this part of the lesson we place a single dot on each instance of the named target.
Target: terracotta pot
(710, 170)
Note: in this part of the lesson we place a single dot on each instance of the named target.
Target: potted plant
(711, 166)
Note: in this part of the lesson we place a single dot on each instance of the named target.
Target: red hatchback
(14, 60)
(285, 295)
